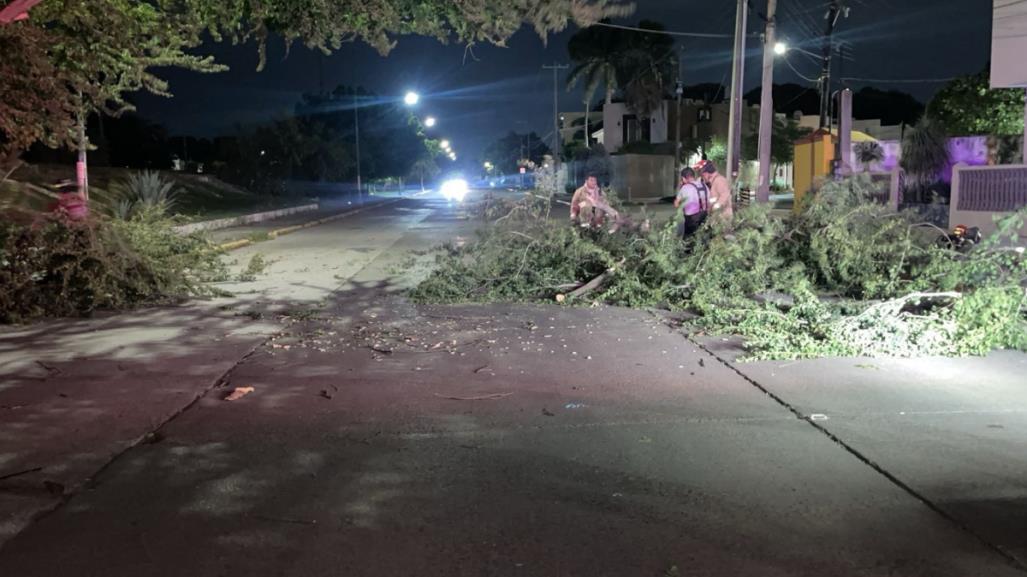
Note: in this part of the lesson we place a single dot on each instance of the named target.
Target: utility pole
(556, 68)
(844, 151)
(356, 130)
(680, 90)
(833, 13)
(734, 144)
(767, 105)
(82, 166)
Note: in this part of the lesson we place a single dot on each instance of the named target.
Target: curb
(237, 244)
(229, 222)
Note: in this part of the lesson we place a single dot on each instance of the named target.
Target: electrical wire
(800, 74)
(667, 32)
(901, 80)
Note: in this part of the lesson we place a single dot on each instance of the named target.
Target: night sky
(477, 98)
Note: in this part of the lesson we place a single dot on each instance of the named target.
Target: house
(706, 124)
(699, 122)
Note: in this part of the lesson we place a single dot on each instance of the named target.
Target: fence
(641, 177)
(980, 193)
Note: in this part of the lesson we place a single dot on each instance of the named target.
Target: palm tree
(595, 52)
(924, 154)
(868, 153)
(646, 68)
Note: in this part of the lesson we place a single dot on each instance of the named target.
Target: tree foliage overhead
(90, 54)
(36, 105)
(327, 24)
(968, 106)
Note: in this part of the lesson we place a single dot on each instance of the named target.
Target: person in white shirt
(690, 201)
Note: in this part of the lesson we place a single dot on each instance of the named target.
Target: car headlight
(455, 189)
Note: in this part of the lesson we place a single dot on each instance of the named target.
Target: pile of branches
(841, 277)
(56, 268)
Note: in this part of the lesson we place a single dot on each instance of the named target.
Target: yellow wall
(812, 164)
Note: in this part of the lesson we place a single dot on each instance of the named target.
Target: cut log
(595, 283)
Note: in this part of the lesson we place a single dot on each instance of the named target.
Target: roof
(819, 134)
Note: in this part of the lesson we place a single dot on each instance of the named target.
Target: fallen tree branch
(20, 473)
(478, 398)
(595, 283)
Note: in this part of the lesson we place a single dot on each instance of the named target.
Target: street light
(411, 98)
(444, 144)
(782, 48)
(430, 121)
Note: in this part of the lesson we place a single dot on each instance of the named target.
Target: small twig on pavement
(20, 473)
(479, 398)
(285, 520)
(50, 369)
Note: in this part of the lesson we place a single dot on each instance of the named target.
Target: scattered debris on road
(238, 393)
(476, 398)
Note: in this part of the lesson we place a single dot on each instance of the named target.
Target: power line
(901, 80)
(667, 32)
(800, 74)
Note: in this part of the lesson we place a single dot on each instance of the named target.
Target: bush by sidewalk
(843, 277)
(60, 268)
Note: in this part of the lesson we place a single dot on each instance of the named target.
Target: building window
(635, 131)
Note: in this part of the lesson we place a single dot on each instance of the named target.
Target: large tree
(507, 152)
(647, 69)
(640, 64)
(595, 51)
(36, 105)
(968, 106)
(782, 142)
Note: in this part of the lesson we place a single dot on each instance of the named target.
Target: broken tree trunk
(595, 283)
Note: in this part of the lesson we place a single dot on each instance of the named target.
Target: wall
(613, 125)
(643, 177)
(980, 193)
(812, 163)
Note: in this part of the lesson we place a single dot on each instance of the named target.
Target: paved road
(387, 439)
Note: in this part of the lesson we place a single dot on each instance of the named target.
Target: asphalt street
(382, 438)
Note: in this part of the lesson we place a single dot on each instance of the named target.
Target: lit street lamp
(782, 48)
(430, 121)
(412, 98)
(444, 144)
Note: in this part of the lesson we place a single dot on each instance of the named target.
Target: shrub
(73, 269)
(145, 191)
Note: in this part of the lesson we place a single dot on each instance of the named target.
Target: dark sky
(479, 98)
